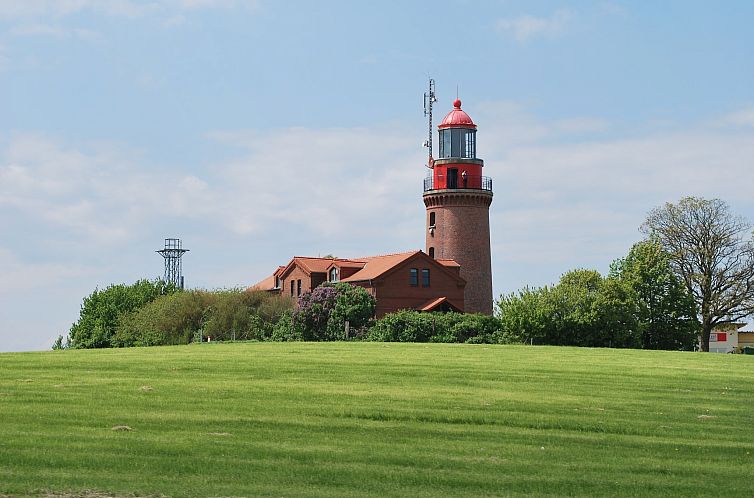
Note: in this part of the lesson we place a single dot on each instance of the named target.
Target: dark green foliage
(354, 305)
(102, 309)
(415, 326)
(404, 326)
(584, 309)
(171, 319)
(283, 330)
(60, 343)
(665, 310)
(223, 315)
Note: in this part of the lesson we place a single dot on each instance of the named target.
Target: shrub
(102, 309)
(321, 314)
(183, 317)
(416, 326)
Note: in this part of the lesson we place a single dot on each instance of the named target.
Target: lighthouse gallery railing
(470, 182)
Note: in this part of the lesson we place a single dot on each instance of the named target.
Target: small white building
(724, 338)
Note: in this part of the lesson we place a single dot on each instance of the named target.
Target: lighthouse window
(425, 277)
(458, 142)
(432, 219)
(413, 277)
(470, 145)
(445, 149)
(431, 252)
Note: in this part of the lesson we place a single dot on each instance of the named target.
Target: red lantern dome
(457, 118)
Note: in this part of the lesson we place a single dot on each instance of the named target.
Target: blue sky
(259, 130)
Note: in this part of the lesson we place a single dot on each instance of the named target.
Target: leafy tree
(102, 309)
(713, 254)
(354, 305)
(665, 311)
(583, 309)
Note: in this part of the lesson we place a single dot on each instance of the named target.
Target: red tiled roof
(266, 284)
(434, 303)
(377, 265)
(448, 262)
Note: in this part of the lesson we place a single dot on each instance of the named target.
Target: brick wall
(462, 233)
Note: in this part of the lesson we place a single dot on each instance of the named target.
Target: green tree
(665, 311)
(102, 309)
(583, 309)
(354, 305)
(712, 252)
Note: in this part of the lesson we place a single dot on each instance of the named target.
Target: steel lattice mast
(173, 252)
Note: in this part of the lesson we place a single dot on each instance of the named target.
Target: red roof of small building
(457, 118)
(451, 263)
(434, 303)
(266, 284)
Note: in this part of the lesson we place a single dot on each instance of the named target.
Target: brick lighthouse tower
(458, 198)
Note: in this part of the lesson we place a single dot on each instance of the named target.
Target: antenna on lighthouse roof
(429, 99)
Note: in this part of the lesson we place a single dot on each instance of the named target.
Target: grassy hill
(374, 419)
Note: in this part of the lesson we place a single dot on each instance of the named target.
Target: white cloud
(740, 118)
(524, 28)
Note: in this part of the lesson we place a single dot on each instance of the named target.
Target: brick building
(408, 280)
(455, 272)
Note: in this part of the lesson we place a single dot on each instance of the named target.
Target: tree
(710, 253)
(665, 310)
(584, 309)
(102, 309)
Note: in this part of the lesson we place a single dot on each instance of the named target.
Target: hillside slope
(375, 419)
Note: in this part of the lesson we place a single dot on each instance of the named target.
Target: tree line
(692, 272)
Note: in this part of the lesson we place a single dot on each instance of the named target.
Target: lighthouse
(458, 198)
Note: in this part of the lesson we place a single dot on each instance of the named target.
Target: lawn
(376, 419)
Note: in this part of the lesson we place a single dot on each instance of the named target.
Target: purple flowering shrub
(322, 313)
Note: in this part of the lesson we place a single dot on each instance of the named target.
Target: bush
(416, 326)
(322, 314)
(102, 309)
(183, 317)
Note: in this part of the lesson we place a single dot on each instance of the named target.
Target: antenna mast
(429, 99)
(173, 252)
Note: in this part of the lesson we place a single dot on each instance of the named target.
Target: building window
(293, 282)
(425, 277)
(432, 219)
(277, 282)
(298, 291)
(431, 252)
(413, 277)
(333, 275)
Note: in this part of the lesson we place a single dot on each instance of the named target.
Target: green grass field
(374, 419)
